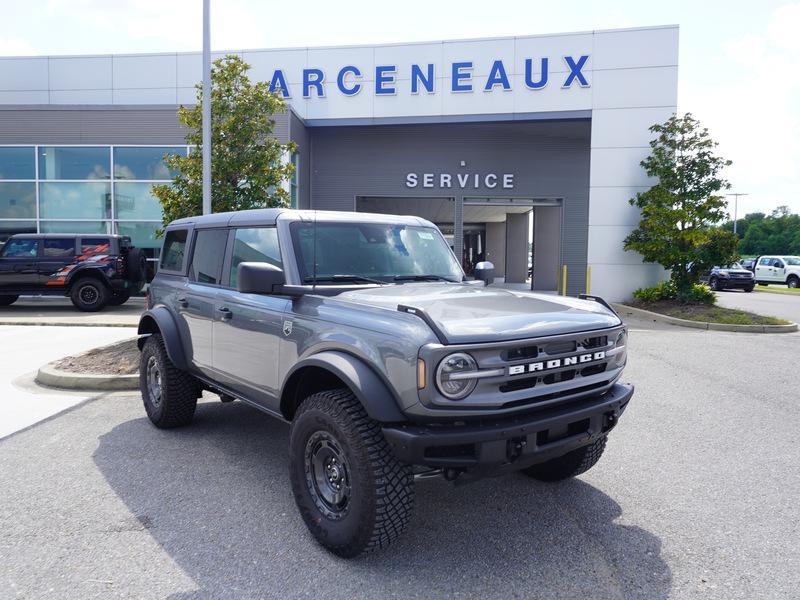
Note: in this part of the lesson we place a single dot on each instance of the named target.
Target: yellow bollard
(588, 279)
(564, 280)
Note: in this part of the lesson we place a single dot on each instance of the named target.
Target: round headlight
(453, 376)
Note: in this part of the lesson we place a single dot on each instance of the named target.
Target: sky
(738, 66)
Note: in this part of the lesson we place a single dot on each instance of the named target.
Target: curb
(624, 309)
(49, 376)
(31, 323)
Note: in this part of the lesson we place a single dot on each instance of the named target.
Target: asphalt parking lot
(54, 310)
(773, 304)
(695, 497)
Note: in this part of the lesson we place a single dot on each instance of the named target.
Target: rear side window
(59, 247)
(23, 248)
(174, 250)
(94, 245)
(208, 256)
(255, 245)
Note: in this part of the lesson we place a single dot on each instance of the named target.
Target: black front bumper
(510, 443)
(739, 284)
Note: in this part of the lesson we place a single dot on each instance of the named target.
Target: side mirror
(258, 278)
(485, 272)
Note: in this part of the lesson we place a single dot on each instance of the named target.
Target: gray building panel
(548, 160)
(300, 135)
(106, 125)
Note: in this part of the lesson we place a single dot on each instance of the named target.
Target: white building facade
(498, 141)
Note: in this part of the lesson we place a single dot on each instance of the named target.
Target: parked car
(364, 334)
(749, 264)
(773, 269)
(93, 270)
(733, 276)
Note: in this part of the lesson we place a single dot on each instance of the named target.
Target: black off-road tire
(89, 294)
(119, 298)
(135, 265)
(178, 389)
(570, 465)
(8, 300)
(381, 488)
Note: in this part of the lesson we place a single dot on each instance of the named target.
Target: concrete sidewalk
(23, 350)
(44, 310)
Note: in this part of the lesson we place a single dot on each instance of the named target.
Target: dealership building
(523, 150)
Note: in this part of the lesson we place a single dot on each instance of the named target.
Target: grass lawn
(779, 289)
(708, 314)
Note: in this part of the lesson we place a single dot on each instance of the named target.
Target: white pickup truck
(778, 269)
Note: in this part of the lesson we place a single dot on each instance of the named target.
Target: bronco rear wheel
(89, 295)
(571, 464)
(169, 394)
(352, 493)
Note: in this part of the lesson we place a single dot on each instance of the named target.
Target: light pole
(736, 208)
(206, 107)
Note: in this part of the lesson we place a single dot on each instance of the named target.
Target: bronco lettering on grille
(555, 363)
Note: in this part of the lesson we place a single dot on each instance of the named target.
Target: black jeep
(94, 270)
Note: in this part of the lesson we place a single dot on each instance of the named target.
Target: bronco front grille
(534, 371)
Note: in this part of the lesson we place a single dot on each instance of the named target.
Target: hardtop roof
(269, 216)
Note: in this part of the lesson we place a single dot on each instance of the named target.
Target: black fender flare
(83, 270)
(160, 320)
(377, 398)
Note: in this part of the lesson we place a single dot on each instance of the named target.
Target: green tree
(776, 233)
(249, 165)
(680, 211)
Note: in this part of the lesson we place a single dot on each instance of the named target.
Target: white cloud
(753, 109)
(16, 47)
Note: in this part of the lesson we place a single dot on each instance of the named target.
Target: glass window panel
(174, 250)
(143, 235)
(94, 245)
(75, 226)
(136, 201)
(73, 162)
(17, 163)
(9, 228)
(17, 200)
(21, 247)
(75, 200)
(209, 251)
(59, 247)
(255, 245)
(144, 163)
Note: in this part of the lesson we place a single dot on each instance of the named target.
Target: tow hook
(609, 421)
(515, 447)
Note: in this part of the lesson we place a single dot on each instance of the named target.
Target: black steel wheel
(169, 394)
(352, 492)
(89, 295)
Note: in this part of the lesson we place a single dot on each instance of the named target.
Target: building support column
(458, 228)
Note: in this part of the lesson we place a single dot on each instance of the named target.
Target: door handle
(182, 301)
(225, 312)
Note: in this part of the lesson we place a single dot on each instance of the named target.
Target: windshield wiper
(422, 278)
(342, 279)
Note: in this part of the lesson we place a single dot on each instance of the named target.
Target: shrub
(667, 290)
(698, 294)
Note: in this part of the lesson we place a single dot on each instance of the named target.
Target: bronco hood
(471, 313)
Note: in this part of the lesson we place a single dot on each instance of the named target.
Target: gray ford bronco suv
(364, 334)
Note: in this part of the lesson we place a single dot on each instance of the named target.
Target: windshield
(373, 251)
